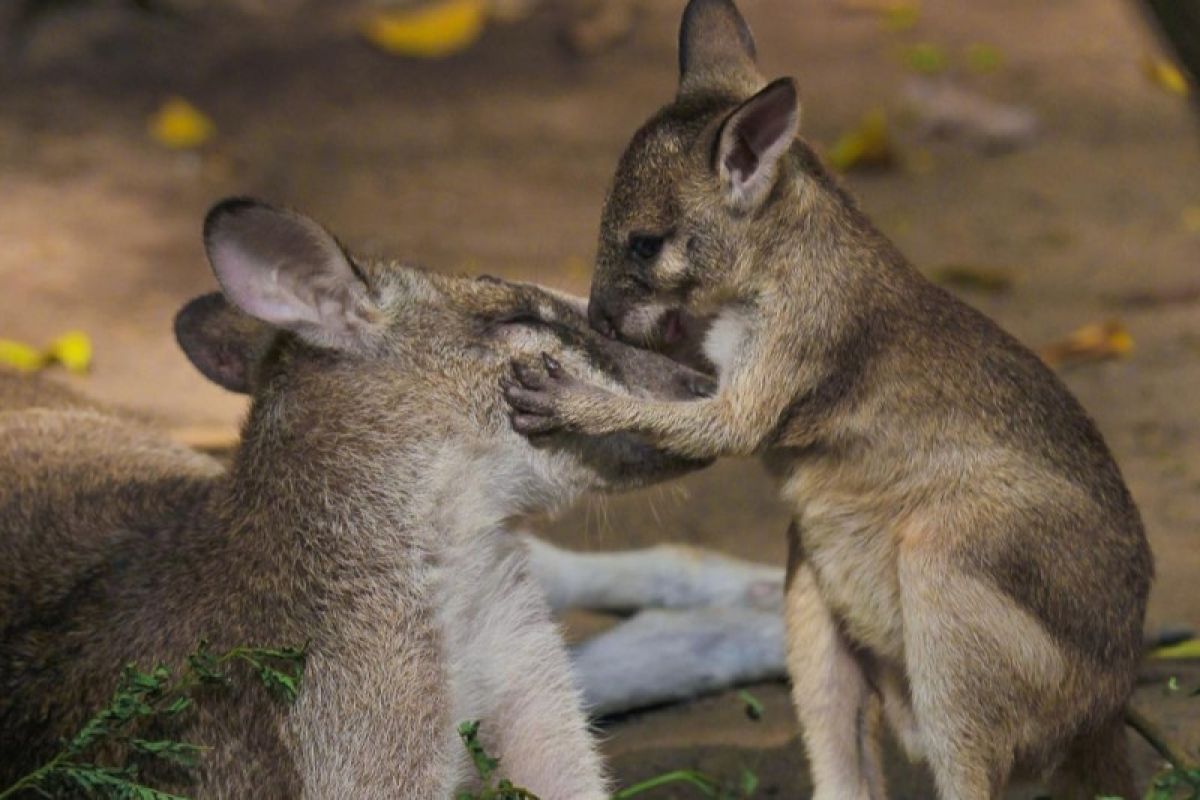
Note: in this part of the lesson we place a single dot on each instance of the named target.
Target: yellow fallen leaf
(868, 144)
(433, 31)
(20, 356)
(1165, 75)
(180, 125)
(1096, 342)
(901, 16)
(896, 14)
(1188, 649)
(73, 350)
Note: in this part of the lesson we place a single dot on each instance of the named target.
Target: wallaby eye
(524, 318)
(645, 246)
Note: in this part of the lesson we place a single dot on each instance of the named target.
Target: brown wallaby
(964, 551)
(363, 513)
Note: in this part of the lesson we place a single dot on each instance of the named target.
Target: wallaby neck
(347, 485)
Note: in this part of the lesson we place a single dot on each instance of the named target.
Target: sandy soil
(496, 160)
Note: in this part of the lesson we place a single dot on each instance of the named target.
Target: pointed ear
(286, 270)
(221, 342)
(716, 50)
(751, 142)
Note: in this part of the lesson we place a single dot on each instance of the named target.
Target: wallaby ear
(286, 270)
(716, 50)
(220, 341)
(753, 139)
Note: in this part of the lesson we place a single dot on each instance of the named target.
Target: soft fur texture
(364, 514)
(966, 555)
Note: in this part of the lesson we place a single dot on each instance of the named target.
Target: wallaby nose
(599, 319)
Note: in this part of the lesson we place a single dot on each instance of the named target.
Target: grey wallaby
(363, 513)
(965, 555)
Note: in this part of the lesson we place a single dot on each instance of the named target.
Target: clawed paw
(536, 396)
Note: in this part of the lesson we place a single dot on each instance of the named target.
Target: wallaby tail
(1097, 765)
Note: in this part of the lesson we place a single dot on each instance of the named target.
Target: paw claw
(553, 368)
(532, 424)
(527, 377)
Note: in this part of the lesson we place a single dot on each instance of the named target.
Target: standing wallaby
(363, 514)
(964, 552)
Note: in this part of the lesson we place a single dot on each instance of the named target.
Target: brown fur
(362, 514)
(964, 530)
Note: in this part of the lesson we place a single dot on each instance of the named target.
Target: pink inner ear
(767, 119)
(759, 132)
(256, 288)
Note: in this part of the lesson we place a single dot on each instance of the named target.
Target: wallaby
(964, 551)
(363, 513)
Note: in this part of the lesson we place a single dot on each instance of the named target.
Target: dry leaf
(1165, 75)
(868, 144)
(433, 31)
(180, 125)
(971, 276)
(73, 350)
(1096, 342)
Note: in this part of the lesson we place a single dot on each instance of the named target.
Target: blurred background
(1040, 157)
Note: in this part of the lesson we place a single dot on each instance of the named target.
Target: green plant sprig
(143, 696)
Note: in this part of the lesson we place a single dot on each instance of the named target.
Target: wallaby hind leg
(987, 681)
(1097, 765)
(838, 710)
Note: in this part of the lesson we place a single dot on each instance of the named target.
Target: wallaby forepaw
(535, 397)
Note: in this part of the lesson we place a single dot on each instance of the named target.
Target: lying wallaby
(362, 514)
(963, 547)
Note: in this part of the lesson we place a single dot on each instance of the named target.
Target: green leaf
(182, 753)
(747, 783)
(698, 780)
(485, 765)
(178, 706)
(926, 58)
(753, 706)
(206, 666)
(984, 58)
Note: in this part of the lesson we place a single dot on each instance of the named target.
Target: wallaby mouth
(673, 328)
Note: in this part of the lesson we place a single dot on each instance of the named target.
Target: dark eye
(523, 318)
(644, 246)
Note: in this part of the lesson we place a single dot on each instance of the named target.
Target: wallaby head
(697, 191)
(330, 345)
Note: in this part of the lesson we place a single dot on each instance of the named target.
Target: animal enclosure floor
(496, 160)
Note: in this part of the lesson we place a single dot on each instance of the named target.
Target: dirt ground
(496, 160)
